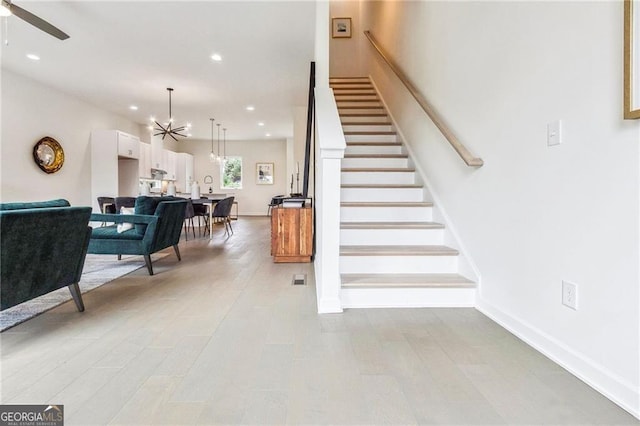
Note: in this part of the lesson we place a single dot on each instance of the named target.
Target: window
(231, 173)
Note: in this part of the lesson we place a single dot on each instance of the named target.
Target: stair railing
(310, 113)
(462, 150)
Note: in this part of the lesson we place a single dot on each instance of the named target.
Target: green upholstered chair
(157, 225)
(43, 246)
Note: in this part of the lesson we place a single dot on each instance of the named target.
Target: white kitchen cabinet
(170, 159)
(184, 172)
(128, 145)
(144, 162)
(157, 153)
(112, 174)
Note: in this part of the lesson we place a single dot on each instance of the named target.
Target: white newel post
(330, 151)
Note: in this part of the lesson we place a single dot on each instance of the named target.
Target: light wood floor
(224, 338)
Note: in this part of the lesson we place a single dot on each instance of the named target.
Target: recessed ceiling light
(268, 135)
(260, 123)
(250, 108)
(152, 118)
(133, 108)
(188, 135)
(33, 57)
(216, 57)
(150, 127)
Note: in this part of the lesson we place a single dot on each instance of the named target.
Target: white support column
(331, 145)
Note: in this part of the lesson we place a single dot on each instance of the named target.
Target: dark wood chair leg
(119, 257)
(147, 260)
(175, 248)
(228, 219)
(74, 289)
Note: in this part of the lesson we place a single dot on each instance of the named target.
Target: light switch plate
(570, 295)
(554, 133)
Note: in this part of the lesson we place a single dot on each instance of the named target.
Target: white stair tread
(376, 156)
(368, 123)
(405, 280)
(381, 185)
(435, 250)
(368, 133)
(363, 114)
(378, 169)
(385, 204)
(391, 225)
(357, 143)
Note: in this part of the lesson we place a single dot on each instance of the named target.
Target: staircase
(391, 251)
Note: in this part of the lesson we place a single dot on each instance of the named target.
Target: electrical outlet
(554, 133)
(570, 295)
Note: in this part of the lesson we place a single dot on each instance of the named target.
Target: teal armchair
(43, 246)
(157, 225)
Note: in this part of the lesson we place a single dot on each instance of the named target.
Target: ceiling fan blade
(35, 21)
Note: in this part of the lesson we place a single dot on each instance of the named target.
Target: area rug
(98, 270)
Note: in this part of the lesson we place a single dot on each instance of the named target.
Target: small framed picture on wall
(264, 173)
(341, 28)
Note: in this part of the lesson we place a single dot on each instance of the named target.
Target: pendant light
(224, 147)
(212, 156)
(219, 159)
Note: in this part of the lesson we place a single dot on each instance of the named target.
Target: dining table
(209, 200)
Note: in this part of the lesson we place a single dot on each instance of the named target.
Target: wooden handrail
(462, 150)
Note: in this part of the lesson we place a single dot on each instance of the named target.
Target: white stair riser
(370, 178)
(399, 237)
(371, 138)
(358, 97)
(407, 297)
(372, 162)
(361, 110)
(372, 119)
(357, 104)
(367, 128)
(381, 194)
(353, 91)
(372, 149)
(385, 214)
(349, 80)
(398, 264)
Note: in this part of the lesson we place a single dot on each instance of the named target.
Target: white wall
(31, 111)
(533, 216)
(345, 60)
(252, 199)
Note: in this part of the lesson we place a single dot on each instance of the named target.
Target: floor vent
(299, 279)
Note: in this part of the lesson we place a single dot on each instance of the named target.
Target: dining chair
(189, 214)
(201, 211)
(275, 201)
(110, 204)
(124, 202)
(222, 211)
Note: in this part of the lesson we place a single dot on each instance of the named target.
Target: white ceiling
(127, 53)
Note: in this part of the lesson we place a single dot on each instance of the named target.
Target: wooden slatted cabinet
(291, 234)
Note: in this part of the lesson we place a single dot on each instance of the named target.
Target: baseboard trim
(329, 306)
(408, 297)
(612, 386)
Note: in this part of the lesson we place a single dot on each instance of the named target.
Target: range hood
(158, 174)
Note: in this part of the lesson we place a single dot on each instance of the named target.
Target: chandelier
(167, 128)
